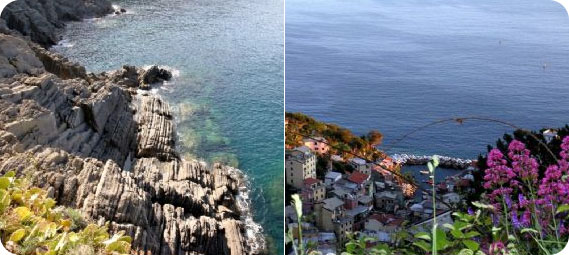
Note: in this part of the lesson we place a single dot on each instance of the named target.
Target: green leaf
(423, 235)
(471, 244)
(457, 234)
(458, 215)
(441, 240)
(23, 213)
(49, 203)
(50, 230)
(449, 226)
(435, 161)
(466, 252)
(529, 230)
(471, 234)
(423, 245)
(73, 237)
(17, 235)
(562, 208)
(297, 205)
(127, 239)
(482, 206)
(10, 174)
(461, 225)
(5, 200)
(113, 239)
(4, 182)
(62, 242)
(119, 246)
(350, 247)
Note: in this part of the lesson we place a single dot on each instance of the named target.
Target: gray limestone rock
(42, 21)
(74, 134)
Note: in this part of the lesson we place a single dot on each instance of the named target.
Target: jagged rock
(42, 20)
(133, 77)
(75, 134)
(127, 76)
(58, 65)
(156, 132)
(16, 57)
(153, 75)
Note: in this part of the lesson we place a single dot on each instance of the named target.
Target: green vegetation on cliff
(30, 223)
(341, 140)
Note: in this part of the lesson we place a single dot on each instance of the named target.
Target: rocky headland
(102, 144)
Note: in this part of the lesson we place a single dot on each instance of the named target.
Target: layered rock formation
(43, 20)
(101, 144)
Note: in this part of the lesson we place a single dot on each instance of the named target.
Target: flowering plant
(524, 204)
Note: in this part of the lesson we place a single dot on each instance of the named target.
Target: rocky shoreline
(102, 144)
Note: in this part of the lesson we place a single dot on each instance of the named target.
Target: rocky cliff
(43, 20)
(101, 144)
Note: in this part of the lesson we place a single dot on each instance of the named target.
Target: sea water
(227, 91)
(398, 65)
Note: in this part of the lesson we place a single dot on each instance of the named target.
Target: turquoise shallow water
(396, 65)
(228, 91)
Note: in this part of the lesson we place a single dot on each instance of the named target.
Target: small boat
(424, 172)
(429, 181)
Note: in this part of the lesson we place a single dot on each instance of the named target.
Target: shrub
(31, 224)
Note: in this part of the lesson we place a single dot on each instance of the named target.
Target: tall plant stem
(555, 224)
(434, 217)
(537, 223)
(506, 223)
(300, 241)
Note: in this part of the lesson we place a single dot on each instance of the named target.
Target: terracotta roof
(375, 216)
(310, 181)
(357, 177)
(387, 219)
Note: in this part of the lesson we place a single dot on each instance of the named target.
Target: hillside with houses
(342, 193)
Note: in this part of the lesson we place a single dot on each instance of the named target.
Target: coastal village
(370, 200)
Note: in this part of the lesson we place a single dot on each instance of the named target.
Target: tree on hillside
(375, 137)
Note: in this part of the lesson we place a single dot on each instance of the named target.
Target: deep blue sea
(396, 65)
(228, 91)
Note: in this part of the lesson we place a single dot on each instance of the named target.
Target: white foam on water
(254, 236)
(64, 44)
(175, 72)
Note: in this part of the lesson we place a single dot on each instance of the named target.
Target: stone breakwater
(446, 162)
(102, 144)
